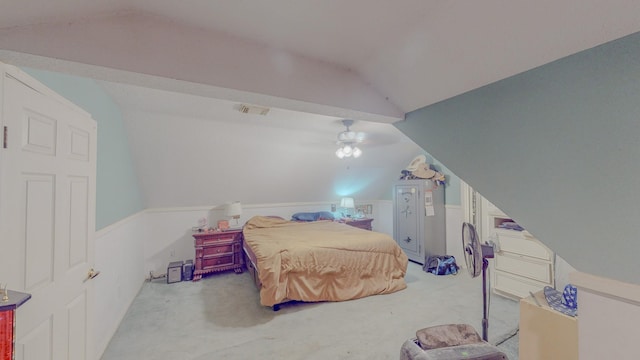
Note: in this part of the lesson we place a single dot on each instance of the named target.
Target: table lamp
(347, 203)
(234, 210)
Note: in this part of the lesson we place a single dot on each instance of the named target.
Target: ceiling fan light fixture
(347, 140)
(356, 152)
(347, 149)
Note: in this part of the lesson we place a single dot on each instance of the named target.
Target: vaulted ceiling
(312, 61)
(371, 60)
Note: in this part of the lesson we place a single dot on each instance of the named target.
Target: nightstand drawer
(212, 240)
(217, 261)
(216, 250)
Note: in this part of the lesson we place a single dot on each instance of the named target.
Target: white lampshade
(233, 210)
(347, 202)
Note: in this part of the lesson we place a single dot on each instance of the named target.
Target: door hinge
(4, 138)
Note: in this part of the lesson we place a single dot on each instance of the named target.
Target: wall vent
(253, 109)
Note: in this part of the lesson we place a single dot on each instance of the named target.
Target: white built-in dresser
(522, 264)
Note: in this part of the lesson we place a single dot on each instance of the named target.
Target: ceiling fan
(347, 140)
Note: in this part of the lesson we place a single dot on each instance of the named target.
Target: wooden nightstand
(217, 251)
(360, 223)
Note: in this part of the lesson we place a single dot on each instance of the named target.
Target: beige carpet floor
(220, 317)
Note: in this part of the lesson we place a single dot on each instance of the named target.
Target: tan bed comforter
(322, 261)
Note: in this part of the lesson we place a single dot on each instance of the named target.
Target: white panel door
(47, 217)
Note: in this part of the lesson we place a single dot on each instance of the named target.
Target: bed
(320, 261)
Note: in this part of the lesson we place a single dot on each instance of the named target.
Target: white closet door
(47, 217)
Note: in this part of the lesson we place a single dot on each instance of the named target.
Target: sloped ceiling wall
(196, 151)
(156, 52)
(557, 148)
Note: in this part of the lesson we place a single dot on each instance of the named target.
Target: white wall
(186, 161)
(119, 258)
(562, 272)
(170, 229)
(128, 250)
(608, 318)
(455, 218)
(383, 217)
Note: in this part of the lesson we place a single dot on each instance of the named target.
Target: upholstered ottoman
(449, 342)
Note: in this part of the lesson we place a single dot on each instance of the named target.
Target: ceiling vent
(253, 109)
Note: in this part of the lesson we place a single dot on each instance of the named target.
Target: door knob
(91, 274)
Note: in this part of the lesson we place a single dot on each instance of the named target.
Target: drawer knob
(407, 240)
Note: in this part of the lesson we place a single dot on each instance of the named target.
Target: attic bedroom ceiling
(352, 59)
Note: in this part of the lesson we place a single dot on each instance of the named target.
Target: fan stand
(473, 248)
(485, 307)
(487, 253)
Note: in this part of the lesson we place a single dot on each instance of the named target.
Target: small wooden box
(174, 272)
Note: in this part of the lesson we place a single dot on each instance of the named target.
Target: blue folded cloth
(509, 225)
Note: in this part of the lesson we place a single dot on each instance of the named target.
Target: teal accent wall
(117, 191)
(557, 148)
(452, 186)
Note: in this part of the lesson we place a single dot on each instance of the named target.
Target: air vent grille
(253, 109)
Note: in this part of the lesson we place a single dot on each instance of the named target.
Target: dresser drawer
(515, 286)
(213, 262)
(218, 249)
(521, 246)
(539, 271)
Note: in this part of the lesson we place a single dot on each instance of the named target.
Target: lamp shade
(233, 209)
(347, 202)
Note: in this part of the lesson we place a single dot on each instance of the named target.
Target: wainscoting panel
(127, 251)
(119, 257)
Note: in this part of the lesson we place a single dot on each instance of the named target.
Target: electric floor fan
(475, 256)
